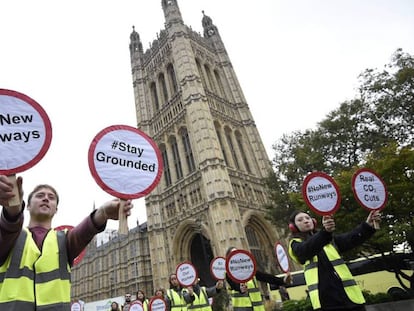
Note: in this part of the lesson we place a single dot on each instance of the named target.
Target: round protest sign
(82, 254)
(369, 189)
(282, 258)
(321, 193)
(136, 306)
(218, 268)
(75, 306)
(125, 162)
(157, 304)
(186, 274)
(240, 266)
(25, 132)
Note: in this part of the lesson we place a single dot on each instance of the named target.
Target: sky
(296, 61)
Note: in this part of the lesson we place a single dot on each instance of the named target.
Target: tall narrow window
(232, 150)
(161, 81)
(209, 79)
(188, 151)
(154, 96)
(242, 151)
(220, 84)
(200, 71)
(172, 78)
(176, 157)
(223, 150)
(167, 174)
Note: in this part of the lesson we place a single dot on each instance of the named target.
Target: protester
(127, 303)
(247, 296)
(330, 283)
(35, 261)
(177, 297)
(202, 295)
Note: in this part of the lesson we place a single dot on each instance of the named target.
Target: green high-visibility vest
(31, 279)
(352, 289)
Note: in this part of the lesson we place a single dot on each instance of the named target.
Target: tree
(374, 130)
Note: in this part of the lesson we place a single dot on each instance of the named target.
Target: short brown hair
(38, 187)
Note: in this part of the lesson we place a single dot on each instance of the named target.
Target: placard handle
(122, 218)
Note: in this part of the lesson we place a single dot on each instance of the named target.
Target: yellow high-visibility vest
(31, 279)
(252, 300)
(176, 300)
(352, 289)
(200, 302)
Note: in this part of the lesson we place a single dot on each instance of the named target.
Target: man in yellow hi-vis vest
(331, 285)
(35, 262)
(247, 296)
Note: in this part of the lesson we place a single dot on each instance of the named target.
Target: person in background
(178, 298)
(127, 303)
(141, 297)
(35, 261)
(114, 306)
(202, 295)
(247, 296)
(331, 285)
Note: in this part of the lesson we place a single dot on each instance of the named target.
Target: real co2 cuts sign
(25, 132)
(125, 162)
(321, 193)
(369, 189)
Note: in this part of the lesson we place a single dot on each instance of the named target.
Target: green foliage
(374, 130)
(297, 305)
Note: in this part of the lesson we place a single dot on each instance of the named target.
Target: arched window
(161, 82)
(256, 247)
(154, 96)
(176, 158)
(172, 78)
(188, 151)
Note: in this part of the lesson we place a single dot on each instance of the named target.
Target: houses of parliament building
(211, 195)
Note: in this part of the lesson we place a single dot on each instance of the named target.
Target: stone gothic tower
(211, 195)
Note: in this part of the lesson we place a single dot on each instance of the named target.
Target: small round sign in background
(157, 304)
(82, 254)
(75, 306)
(282, 258)
(125, 162)
(321, 193)
(25, 132)
(369, 189)
(240, 266)
(186, 274)
(136, 306)
(218, 268)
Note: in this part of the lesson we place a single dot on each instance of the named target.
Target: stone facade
(211, 195)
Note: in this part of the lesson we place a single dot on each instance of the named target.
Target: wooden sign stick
(122, 218)
(15, 201)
